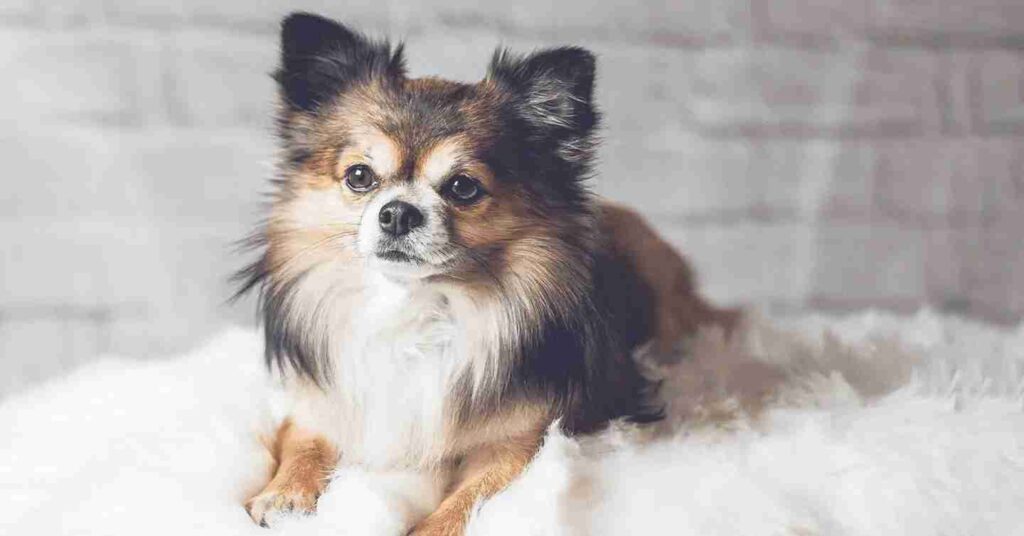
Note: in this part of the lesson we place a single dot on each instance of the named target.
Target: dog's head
(427, 179)
(473, 190)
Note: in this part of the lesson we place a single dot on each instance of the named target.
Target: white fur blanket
(880, 425)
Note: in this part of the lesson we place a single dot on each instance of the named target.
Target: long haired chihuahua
(437, 286)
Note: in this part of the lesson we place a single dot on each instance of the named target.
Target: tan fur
(494, 452)
(523, 419)
(304, 464)
(449, 156)
(483, 472)
(518, 263)
(678, 307)
(371, 147)
(719, 382)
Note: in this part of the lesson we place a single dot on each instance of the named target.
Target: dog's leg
(483, 472)
(304, 464)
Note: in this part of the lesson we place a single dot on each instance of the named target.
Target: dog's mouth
(397, 265)
(394, 255)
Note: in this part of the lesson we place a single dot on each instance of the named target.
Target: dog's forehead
(422, 130)
(424, 111)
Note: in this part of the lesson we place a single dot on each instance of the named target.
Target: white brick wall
(831, 153)
(214, 82)
(809, 19)
(981, 19)
(997, 85)
(92, 77)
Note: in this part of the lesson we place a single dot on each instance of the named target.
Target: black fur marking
(320, 57)
(550, 119)
(283, 347)
(542, 135)
(588, 361)
(419, 118)
(556, 85)
(284, 343)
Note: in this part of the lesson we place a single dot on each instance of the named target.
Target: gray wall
(830, 154)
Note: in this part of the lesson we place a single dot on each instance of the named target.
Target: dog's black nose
(398, 218)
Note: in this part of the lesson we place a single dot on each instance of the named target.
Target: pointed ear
(555, 87)
(320, 57)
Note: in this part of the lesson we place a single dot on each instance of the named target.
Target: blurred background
(806, 154)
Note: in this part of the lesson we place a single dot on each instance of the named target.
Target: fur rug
(867, 425)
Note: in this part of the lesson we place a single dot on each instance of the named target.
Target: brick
(636, 85)
(948, 256)
(196, 305)
(202, 179)
(207, 70)
(828, 19)
(957, 67)
(150, 12)
(218, 79)
(643, 21)
(19, 11)
(987, 101)
(808, 92)
(673, 23)
(699, 179)
(943, 181)
(201, 267)
(457, 54)
(262, 16)
(464, 53)
(838, 181)
(168, 334)
(79, 77)
(177, 275)
(188, 177)
(693, 178)
(941, 18)
(143, 222)
(874, 266)
(1006, 201)
(747, 263)
(867, 264)
(995, 274)
(638, 89)
(81, 262)
(72, 14)
(997, 89)
(897, 92)
(69, 174)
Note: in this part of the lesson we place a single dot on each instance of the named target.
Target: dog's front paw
(295, 499)
(441, 524)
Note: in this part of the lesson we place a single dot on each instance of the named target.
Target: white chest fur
(394, 365)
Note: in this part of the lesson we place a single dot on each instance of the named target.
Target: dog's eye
(463, 189)
(360, 178)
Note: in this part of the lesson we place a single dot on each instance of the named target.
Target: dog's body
(436, 283)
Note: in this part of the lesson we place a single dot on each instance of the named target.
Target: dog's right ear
(320, 58)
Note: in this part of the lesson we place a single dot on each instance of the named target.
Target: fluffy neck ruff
(524, 331)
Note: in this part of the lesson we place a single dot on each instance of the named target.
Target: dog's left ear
(320, 58)
(554, 88)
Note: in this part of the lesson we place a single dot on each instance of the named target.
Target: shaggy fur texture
(517, 281)
(877, 425)
(436, 283)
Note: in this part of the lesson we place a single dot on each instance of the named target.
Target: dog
(437, 285)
